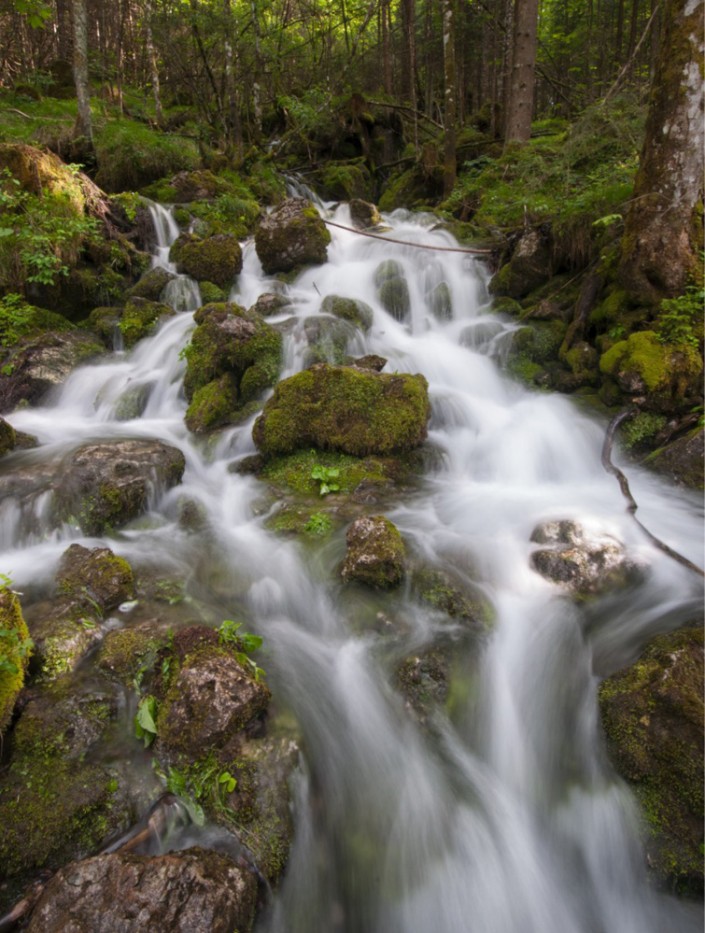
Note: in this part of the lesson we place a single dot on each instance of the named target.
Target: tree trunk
(663, 232)
(520, 103)
(449, 109)
(63, 30)
(152, 59)
(84, 122)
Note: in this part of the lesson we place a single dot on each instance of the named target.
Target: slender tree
(84, 121)
(520, 101)
(449, 94)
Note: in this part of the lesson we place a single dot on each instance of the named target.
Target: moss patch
(15, 647)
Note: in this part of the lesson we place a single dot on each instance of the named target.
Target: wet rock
(140, 318)
(371, 362)
(15, 649)
(585, 563)
(133, 401)
(328, 340)
(358, 313)
(105, 485)
(105, 321)
(682, 460)
(151, 284)
(363, 214)
(8, 437)
(96, 574)
(270, 303)
(479, 335)
(375, 553)
(530, 266)
(211, 699)
(42, 364)
(198, 185)
(188, 891)
(125, 651)
(440, 302)
(233, 356)
(216, 259)
(292, 235)
(392, 289)
(344, 409)
(652, 713)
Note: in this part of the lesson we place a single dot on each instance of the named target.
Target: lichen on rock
(375, 553)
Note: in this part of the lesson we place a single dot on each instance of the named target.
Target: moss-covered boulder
(216, 259)
(15, 647)
(375, 553)
(345, 409)
(652, 713)
(104, 486)
(355, 312)
(96, 574)
(194, 889)
(8, 437)
(682, 460)
(140, 319)
(199, 185)
(363, 214)
(530, 265)
(584, 563)
(292, 235)
(271, 303)
(151, 284)
(533, 350)
(393, 290)
(233, 356)
(34, 367)
(669, 375)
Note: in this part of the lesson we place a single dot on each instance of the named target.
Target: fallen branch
(626, 492)
(388, 239)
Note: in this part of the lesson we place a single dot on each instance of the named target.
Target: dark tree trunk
(663, 232)
(449, 106)
(520, 103)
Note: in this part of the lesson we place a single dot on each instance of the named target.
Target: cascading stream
(505, 817)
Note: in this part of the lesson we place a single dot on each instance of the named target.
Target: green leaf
(145, 726)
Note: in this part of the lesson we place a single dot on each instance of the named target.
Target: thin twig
(388, 239)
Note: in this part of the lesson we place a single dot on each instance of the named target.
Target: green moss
(140, 319)
(349, 309)
(293, 473)
(344, 409)
(132, 156)
(15, 648)
(20, 320)
(533, 347)
(216, 259)
(211, 293)
(375, 555)
(213, 405)
(661, 367)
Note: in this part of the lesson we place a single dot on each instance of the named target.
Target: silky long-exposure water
(501, 815)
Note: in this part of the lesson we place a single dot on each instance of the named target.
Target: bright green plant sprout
(318, 524)
(243, 644)
(145, 720)
(325, 475)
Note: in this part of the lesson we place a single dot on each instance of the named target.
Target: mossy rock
(210, 293)
(296, 474)
(216, 259)
(364, 214)
(652, 713)
(15, 647)
(533, 348)
(8, 437)
(64, 631)
(96, 574)
(355, 312)
(643, 365)
(440, 302)
(407, 189)
(271, 303)
(328, 340)
(126, 653)
(530, 266)
(344, 409)
(393, 290)
(197, 185)
(151, 284)
(375, 553)
(42, 173)
(682, 460)
(140, 319)
(292, 235)
(233, 356)
(105, 321)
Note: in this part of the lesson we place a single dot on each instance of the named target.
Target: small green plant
(643, 427)
(325, 475)
(14, 647)
(203, 783)
(243, 644)
(145, 720)
(318, 524)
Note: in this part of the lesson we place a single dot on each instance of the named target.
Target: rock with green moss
(105, 321)
(652, 713)
(299, 474)
(355, 312)
(125, 653)
(271, 303)
(668, 375)
(363, 214)
(210, 292)
(34, 367)
(104, 486)
(140, 319)
(193, 889)
(440, 301)
(534, 348)
(15, 648)
(292, 235)
(345, 409)
(216, 259)
(233, 356)
(151, 284)
(8, 437)
(530, 265)
(198, 185)
(375, 553)
(95, 573)
(392, 289)
(682, 460)
(328, 340)
(64, 631)
(585, 563)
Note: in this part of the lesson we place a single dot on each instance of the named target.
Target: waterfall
(504, 816)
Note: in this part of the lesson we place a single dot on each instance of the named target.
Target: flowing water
(501, 815)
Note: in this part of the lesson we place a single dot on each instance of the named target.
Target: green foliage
(680, 319)
(642, 427)
(132, 155)
(202, 784)
(318, 524)
(20, 319)
(40, 237)
(145, 720)
(325, 475)
(243, 644)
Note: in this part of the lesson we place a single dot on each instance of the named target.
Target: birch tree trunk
(663, 229)
(449, 108)
(522, 79)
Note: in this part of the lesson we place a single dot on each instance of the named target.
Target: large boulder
(216, 259)
(41, 364)
(292, 235)
(682, 460)
(140, 318)
(151, 284)
(585, 563)
(345, 409)
(652, 713)
(363, 214)
(375, 553)
(233, 356)
(183, 892)
(393, 290)
(105, 485)
(355, 312)
(531, 265)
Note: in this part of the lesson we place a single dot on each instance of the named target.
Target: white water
(505, 817)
